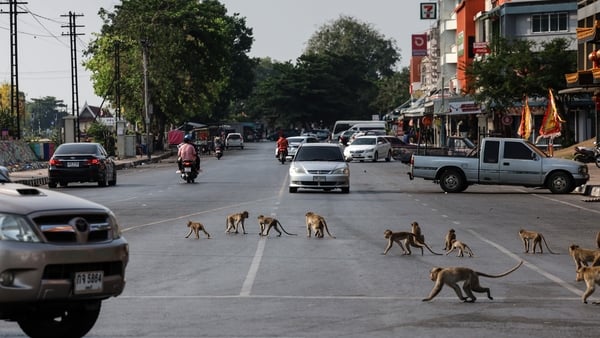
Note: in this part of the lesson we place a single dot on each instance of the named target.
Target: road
(293, 286)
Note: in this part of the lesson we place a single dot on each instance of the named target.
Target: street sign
(428, 10)
(481, 48)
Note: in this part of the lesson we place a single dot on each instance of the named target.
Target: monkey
(419, 237)
(233, 221)
(528, 236)
(452, 275)
(591, 276)
(268, 223)
(450, 237)
(196, 227)
(461, 247)
(400, 236)
(582, 256)
(317, 223)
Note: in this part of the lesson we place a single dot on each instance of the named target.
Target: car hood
(320, 165)
(25, 199)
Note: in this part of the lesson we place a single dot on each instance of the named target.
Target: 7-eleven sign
(428, 10)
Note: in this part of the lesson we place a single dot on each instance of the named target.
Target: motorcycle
(189, 172)
(281, 155)
(218, 152)
(587, 155)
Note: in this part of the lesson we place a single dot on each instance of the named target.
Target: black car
(81, 162)
(401, 150)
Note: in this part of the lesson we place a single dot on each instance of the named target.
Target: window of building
(549, 22)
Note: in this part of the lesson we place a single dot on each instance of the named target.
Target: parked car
(295, 141)
(366, 132)
(319, 166)
(81, 162)
(401, 150)
(369, 147)
(234, 140)
(322, 134)
(60, 257)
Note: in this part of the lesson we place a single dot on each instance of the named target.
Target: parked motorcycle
(189, 172)
(218, 152)
(587, 155)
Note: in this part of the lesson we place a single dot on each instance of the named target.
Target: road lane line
(260, 249)
(567, 203)
(531, 266)
(252, 272)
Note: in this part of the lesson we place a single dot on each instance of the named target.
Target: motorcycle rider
(187, 152)
(282, 145)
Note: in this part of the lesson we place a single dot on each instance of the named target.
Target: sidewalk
(37, 177)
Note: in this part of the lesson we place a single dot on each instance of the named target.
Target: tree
(393, 91)
(197, 62)
(46, 115)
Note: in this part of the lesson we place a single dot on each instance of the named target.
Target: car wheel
(293, 190)
(452, 181)
(103, 181)
(113, 181)
(52, 184)
(346, 190)
(74, 321)
(389, 156)
(375, 157)
(241, 147)
(561, 183)
(64, 184)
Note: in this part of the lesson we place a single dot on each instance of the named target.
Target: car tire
(452, 181)
(103, 181)
(561, 183)
(346, 190)
(52, 184)
(293, 190)
(242, 147)
(75, 321)
(389, 156)
(375, 157)
(113, 181)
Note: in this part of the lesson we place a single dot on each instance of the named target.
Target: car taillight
(55, 162)
(93, 161)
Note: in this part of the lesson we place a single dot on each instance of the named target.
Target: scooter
(587, 155)
(218, 152)
(281, 155)
(189, 172)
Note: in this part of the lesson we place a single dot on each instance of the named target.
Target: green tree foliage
(197, 62)
(517, 68)
(393, 91)
(46, 115)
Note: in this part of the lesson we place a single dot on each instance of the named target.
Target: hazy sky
(281, 29)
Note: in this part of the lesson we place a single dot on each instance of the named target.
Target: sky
(281, 29)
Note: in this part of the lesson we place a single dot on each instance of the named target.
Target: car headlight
(297, 170)
(341, 171)
(116, 228)
(16, 228)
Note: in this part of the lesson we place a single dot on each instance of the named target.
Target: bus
(342, 125)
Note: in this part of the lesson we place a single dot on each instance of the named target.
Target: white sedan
(369, 148)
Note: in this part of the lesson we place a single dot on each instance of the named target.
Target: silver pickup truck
(501, 161)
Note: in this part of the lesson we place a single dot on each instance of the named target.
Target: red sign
(481, 48)
(419, 45)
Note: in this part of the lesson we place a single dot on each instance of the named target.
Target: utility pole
(14, 68)
(146, 95)
(74, 85)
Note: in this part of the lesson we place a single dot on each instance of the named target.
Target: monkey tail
(423, 244)
(282, 229)
(502, 274)
(547, 247)
(327, 229)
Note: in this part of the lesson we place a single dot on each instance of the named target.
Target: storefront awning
(413, 112)
(463, 107)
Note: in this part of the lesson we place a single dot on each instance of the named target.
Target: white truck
(501, 161)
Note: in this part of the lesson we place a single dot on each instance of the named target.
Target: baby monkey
(196, 227)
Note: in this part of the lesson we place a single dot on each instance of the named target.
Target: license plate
(187, 169)
(72, 164)
(319, 179)
(88, 282)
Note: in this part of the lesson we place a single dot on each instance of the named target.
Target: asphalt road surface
(235, 285)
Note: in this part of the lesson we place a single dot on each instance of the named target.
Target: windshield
(319, 154)
(364, 141)
(77, 148)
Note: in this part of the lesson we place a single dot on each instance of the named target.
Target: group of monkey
(314, 223)
(450, 276)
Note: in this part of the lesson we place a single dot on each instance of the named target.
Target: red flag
(525, 126)
(551, 122)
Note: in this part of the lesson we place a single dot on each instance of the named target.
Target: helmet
(187, 138)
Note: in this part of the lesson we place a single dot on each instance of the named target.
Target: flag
(551, 123)
(525, 126)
